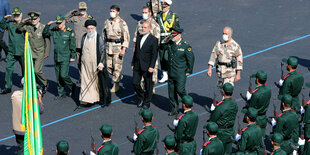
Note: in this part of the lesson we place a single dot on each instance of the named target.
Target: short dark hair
(147, 120)
(294, 67)
(212, 133)
(62, 153)
(252, 119)
(115, 7)
(228, 93)
(146, 7)
(169, 147)
(262, 81)
(106, 135)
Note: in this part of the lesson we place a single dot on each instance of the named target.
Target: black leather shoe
(72, 89)
(5, 91)
(140, 104)
(60, 97)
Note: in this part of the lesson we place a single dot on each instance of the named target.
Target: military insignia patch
(82, 4)
(72, 34)
(177, 19)
(32, 14)
(15, 9)
(58, 18)
(189, 49)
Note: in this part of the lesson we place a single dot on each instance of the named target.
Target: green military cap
(286, 98)
(291, 61)
(34, 15)
(251, 112)
(146, 114)
(227, 87)
(187, 100)
(62, 146)
(169, 141)
(260, 75)
(308, 84)
(16, 11)
(106, 129)
(276, 138)
(82, 5)
(211, 127)
(60, 18)
(176, 31)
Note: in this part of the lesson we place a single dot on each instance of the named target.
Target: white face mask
(112, 14)
(34, 22)
(17, 18)
(225, 37)
(145, 16)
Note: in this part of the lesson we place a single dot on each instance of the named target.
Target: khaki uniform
(156, 7)
(79, 29)
(40, 47)
(116, 35)
(155, 31)
(222, 57)
(16, 99)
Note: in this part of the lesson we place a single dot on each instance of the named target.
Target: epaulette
(90, 17)
(141, 131)
(281, 114)
(69, 29)
(286, 76)
(255, 90)
(206, 143)
(181, 116)
(219, 103)
(99, 148)
(244, 129)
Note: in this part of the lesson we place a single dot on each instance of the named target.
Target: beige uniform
(16, 99)
(156, 7)
(222, 55)
(155, 31)
(115, 29)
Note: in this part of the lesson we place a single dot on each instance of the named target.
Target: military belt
(225, 64)
(226, 127)
(148, 153)
(115, 40)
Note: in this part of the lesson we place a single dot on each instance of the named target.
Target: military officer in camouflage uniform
(224, 115)
(170, 144)
(259, 99)
(292, 83)
(180, 64)
(287, 124)
(250, 140)
(167, 20)
(40, 46)
(116, 36)
(147, 138)
(64, 53)
(185, 128)
(276, 141)
(16, 46)
(155, 31)
(78, 18)
(62, 148)
(227, 56)
(156, 7)
(108, 146)
(214, 145)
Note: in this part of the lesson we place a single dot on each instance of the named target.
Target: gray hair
(230, 29)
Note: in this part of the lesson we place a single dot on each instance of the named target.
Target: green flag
(30, 118)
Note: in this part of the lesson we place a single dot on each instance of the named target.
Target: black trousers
(20, 144)
(104, 90)
(3, 45)
(146, 95)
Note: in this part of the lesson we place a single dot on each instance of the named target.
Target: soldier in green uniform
(186, 126)
(108, 147)
(64, 52)
(167, 20)
(214, 146)
(169, 144)
(292, 83)
(287, 124)
(306, 121)
(16, 46)
(276, 141)
(62, 148)
(40, 46)
(259, 99)
(250, 140)
(180, 64)
(147, 138)
(224, 115)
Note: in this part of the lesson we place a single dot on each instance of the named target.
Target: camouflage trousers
(114, 66)
(155, 73)
(222, 81)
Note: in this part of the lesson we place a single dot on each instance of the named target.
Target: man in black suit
(143, 63)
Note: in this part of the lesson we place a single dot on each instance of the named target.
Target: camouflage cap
(60, 18)
(187, 100)
(251, 112)
(146, 114)
(16, 11)
(286, 98)
(211, 127)
(34, 15)
(227, 87)
(260, 75)
(291, 61)
(62, 146)
(169, 141)
(82, 5)
(276, 138)
(106, 129)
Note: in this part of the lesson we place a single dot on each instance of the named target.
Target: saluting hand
(26, 19)
(7, 16)
(50, 22)
(73, 11)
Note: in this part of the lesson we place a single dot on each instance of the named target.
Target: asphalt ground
(266, 30)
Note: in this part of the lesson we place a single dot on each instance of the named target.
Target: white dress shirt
(143, 39)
